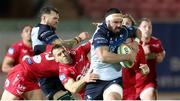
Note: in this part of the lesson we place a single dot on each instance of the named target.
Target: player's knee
(113, 92)
(148, 94)
(152, 95)
(112, 96)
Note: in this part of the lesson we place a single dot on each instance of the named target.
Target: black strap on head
(38, 49)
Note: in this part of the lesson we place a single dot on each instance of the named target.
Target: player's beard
(114, 30)
(30, 40)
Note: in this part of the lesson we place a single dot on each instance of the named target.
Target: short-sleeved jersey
(130, 74)
(42, 65)
(42, 34)
(105, 37)
(38, 66)
(79, 66)
(29, 71)
(155, 47)
(17, 83)
(19, 52)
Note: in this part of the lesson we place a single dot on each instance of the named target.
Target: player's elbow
(161, 57)
(73, 91)
(71, 88)
(4, 69)
(103, 58)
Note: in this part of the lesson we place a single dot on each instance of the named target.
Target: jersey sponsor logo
(25, 57)
(62, 77)
(17, 78)
(11, 51)
(85, 69)
(100, 38)
(155, 45)
(29, 61)
(20, 89)
(88, 97)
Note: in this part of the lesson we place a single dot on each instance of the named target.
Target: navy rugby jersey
(103, 36)
(43, 34)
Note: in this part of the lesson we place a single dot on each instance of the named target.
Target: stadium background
(78, 15)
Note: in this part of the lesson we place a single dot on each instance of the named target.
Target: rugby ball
(124, 49)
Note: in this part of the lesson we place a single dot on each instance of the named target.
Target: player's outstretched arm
(76, 86)
(74, 41)
(108, 57)
(7, 64)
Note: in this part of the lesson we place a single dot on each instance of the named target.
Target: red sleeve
(13, 52)
(85, 47)
(157, 48)
(64, 74)
(141, 55)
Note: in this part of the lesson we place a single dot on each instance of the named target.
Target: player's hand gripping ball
(124, 49)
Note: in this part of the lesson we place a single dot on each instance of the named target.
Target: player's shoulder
(102, 29)
(45, 27)
(42, 28)
(17, 44)
(155, 39)
(125, 29)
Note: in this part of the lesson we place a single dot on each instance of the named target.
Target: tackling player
(105, 60)
(73, 67)
(21, 82)
(45, 33)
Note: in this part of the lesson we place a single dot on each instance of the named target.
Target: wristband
(78, 39)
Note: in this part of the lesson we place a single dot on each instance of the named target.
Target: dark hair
(143, 19)
(56, 46)
(131, 18)
(24, 26)
(47, 10)
(112, 11)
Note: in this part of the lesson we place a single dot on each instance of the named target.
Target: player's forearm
(68, 43)
(76, 86)
(113, 58)
(71, 42)
(6, 68)
(7, 64)
(108, 57)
